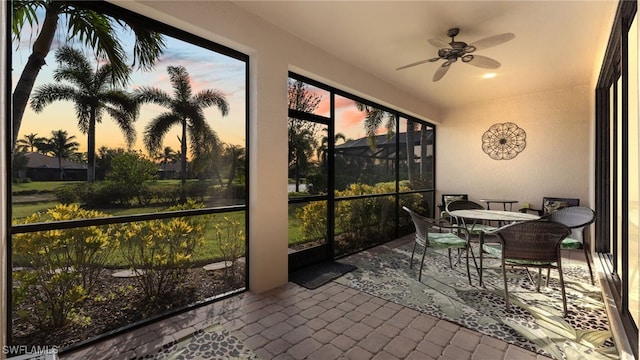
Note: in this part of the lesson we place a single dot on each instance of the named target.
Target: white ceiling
(558, 44)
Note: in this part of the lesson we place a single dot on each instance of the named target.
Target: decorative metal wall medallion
(504, 141)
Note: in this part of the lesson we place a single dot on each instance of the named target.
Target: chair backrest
(551, 204)
(573, 217)
(463, 205)
(421, 223)
(533, 240)
(447, 198)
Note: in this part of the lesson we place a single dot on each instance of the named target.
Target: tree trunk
(91, 148)
(183, 166)
(41, 47)
(232, 170)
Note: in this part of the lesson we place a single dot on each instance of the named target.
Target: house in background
(169, 171)
(41, 167)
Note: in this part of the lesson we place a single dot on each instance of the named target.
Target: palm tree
(235, 156)
(30, 142)
(168, 155)
(93, 94)
(62, 146)
(302, 133)
(374, 119)
(93, 29)
(185, 109)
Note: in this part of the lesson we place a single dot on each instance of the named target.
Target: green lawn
(209, 252)
(40, 186)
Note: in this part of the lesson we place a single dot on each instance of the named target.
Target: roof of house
(41, 161)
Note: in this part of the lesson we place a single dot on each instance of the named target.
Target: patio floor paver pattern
(330, 322)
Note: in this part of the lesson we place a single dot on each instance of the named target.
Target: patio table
(492, 215)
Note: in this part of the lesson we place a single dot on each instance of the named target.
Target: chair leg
(529, 275)
(539, 278)
(588, 258)
(473, 256)
(548, 276)
(564, 295)
(412, 252)
(468, 273)
(506, 289)
(424, 252)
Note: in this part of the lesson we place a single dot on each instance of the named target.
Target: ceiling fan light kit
(454, 50)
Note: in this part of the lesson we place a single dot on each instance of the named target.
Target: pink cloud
(351, 118)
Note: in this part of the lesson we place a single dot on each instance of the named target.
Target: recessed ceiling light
(489, 75)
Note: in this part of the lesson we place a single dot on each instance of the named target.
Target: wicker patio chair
(551, 204)
(531, 244)
(576, 218)
(473, 226)
(432, 233)
(446, 199)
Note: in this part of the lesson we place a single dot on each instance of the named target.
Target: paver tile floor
(292, 322)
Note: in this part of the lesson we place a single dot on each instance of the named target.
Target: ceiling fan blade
(492, 41)
(417, 63)
(441, 71)
(439, 43)
(483, 62)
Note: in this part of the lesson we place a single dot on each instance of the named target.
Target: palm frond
(24, 13)
(180, 82)
(97, 31)
(211, 97)
(125, 123)
(156, 130)
(83, 114)
(46, 94)
(148, 47)
(73, 66)
(153, 95)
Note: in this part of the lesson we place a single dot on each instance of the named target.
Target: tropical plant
(374, 118)
(93, 29)
(166, 156)
(301, 133)
(30, 142)
(185, 109)
(230, 240)
(62, 146)
(103, 160)
(206, 150)
(131, 172)
(234, 156)
(63, 266)
(160, 251)
(93, 94)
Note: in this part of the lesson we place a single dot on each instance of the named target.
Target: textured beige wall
(555, 161)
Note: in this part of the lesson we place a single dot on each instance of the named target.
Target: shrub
(358, 220)
(63, 266)
(67, 194)
(313, 218)
(160, 250)
(130, 173)
(230, 239)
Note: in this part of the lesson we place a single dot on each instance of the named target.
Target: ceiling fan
(451, 52)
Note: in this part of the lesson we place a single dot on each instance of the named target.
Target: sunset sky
(207, 69)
